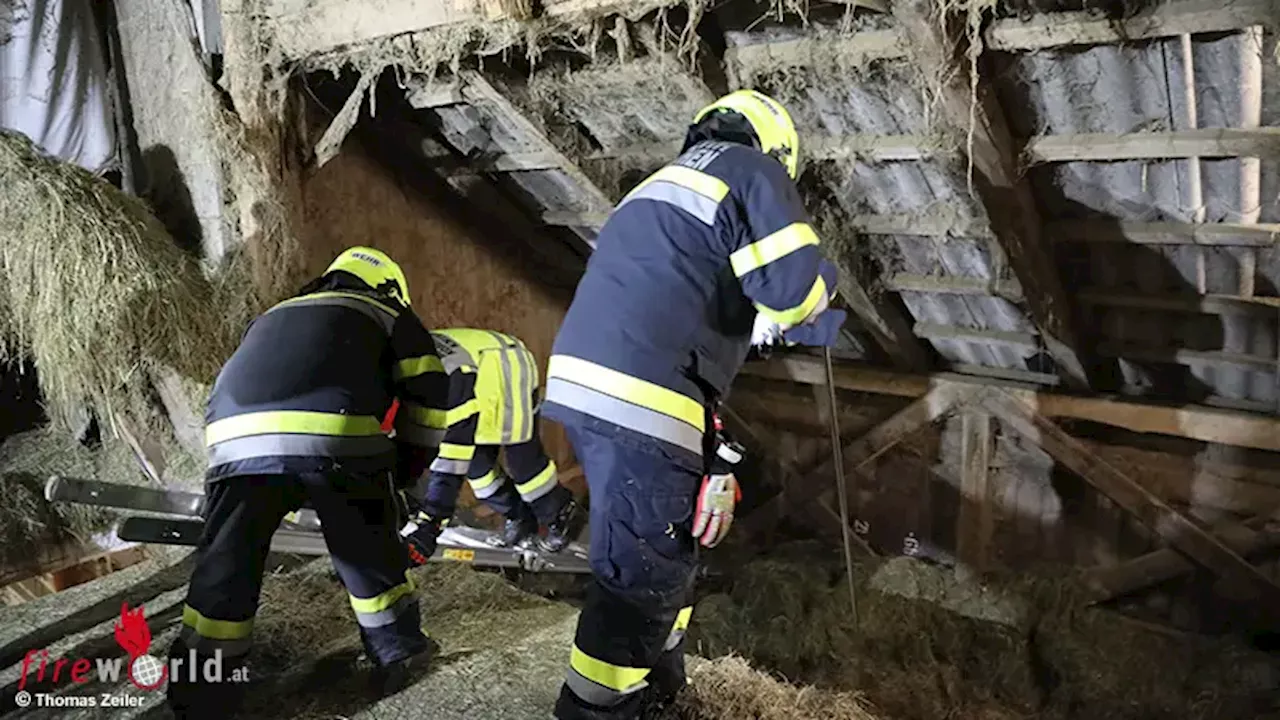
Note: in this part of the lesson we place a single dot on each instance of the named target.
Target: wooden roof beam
(319, 26)
(1167, 19)
(1163, 233)
(1227, 427)
(1204, 143)
(1007, 197)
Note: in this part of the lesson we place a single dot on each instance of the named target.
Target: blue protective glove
(822, 332)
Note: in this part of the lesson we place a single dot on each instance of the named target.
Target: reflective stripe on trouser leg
(241, 514)
(601, 683)
(358, 518)
(383, 609)
(492, 487)
(679, 629)
(207, 636)
(537, 479)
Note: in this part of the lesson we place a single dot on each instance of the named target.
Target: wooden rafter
(1006, 195)
(478, 90)
(315, 27)
(1207, 143)
(952, 285)
(743, 60)
(1017, 411)
(1166, 19)
(940, 399)
(1111, 231)
(1206, 424)
(1165, 564)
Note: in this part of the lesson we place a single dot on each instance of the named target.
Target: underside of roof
(1112, 234)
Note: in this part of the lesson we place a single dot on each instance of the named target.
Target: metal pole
(837, 453)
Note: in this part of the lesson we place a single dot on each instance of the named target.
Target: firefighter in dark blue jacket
(659, 326)
(295, 415)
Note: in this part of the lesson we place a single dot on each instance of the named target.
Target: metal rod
(837, 453)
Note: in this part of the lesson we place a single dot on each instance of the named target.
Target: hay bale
(94, 289)
(909, 578)
(28, 522)
(728, 688)
(917, 659)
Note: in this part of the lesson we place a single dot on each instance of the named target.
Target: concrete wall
(455, 279)
(172, 102)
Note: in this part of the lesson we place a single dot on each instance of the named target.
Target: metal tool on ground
(303, 537)
(837, 453)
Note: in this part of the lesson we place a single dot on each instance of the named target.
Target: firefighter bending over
(295, 416)
(493, 384)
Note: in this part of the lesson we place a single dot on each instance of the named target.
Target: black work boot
(393, 677)
(563, 528)
(518, 529)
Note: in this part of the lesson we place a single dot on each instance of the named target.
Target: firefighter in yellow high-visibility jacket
(493, 383)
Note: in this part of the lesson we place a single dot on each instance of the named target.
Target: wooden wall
(455, 278)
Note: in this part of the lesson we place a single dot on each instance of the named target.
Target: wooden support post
(976, 524)
(1015, 410)
(1007, 197)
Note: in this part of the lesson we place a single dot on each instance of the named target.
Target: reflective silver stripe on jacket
(383, 317)
(508, 384)
(620, 412)
(695, 203)
(528, 382)
(207, 646)
(450, 467)
(595, 693)
(416, 434)
(382, 618)
(282, 444)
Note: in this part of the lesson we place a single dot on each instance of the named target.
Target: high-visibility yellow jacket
(493, 380)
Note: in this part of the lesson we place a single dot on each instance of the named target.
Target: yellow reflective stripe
(378, 603)
(453, 451)
(682, 620)
(614, 677)
(415, 366)
(631, 389)
(292, 421)
(427, 417)
(453, 416)
(699, 182)
(354, 296)
(778, 245)
(436, 418)
(216, 629)
(485, 480)
(798, 313)
(548, 475)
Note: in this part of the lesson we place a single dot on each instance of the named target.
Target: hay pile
(728, 688)
(27, 521)
(94, 289)
(914, 659)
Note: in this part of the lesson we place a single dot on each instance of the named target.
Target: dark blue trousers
(629, 647)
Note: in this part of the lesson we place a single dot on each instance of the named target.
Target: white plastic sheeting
(53, 81)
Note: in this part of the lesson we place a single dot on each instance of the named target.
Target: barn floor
(925, 644)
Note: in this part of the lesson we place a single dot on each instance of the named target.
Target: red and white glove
(719, 494)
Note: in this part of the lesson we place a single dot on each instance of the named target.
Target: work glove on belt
(420, 534)
(720, 491)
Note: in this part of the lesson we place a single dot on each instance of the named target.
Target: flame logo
(134, 636)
